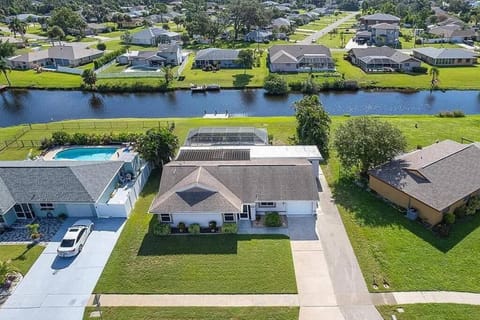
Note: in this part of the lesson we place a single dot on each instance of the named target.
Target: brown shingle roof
(438, 175)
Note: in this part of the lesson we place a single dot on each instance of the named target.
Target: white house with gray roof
(167, 54)
(369, 20)
(65, 56)
(223, 58)
(229, 183)
(153, 36)
(377, 59)
(300, 58)
(445, 56)
(48, 188)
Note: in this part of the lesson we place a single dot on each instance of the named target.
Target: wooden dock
(216, 116)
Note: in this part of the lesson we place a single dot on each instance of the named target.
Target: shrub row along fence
(101, 125)
(146, 74)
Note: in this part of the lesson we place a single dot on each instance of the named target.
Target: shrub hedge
(160, 229)
(229, 227)
(273, 219)
(194, 228)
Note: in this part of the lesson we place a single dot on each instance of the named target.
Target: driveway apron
(59, 288)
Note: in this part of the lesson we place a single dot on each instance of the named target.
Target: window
(80, 235)
(266, 204)
(1, 219)
(46, 206)
(19, 211)
(165, 217)
(228, 217)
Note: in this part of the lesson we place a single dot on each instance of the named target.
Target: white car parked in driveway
(75, 238)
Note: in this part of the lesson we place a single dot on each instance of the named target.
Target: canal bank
(40, 106)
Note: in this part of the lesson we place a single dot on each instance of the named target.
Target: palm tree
(89, 78)
(434, 72)
(17, 26)
(167, 74)
(5, 68)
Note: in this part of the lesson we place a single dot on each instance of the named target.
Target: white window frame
(267, 204)
(170, 220)
(47, 206)
(224, 215)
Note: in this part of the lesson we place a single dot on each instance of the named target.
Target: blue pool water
(86, 154)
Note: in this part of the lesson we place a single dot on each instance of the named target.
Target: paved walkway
(393, 298)
(59, 288)
(318, 34)
(351, 293)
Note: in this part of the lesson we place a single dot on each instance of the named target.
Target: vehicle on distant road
(75, 238)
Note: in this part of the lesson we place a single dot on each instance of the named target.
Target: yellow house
(434, 180)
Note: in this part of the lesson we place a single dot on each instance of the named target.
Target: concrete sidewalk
(392, 298)
(197, 300)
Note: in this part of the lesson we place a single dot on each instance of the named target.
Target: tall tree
(244, 14)
(366, 142)
(167, 74)
(89, 78)
(67, 19)
(434, 72)
(157, 146)
(17, 26)
(5, 68)
(245, 58)
(55, 33)
(178, 20)
(313, 124)
(6, 49)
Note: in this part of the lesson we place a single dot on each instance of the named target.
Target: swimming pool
(86, 154)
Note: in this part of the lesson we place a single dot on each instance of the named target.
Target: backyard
(199, 313)
(144, 263)
(431, 312)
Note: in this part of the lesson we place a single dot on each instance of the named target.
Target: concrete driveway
(59, 288)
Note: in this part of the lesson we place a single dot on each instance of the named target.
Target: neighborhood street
(313, 37)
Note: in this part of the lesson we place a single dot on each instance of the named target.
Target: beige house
(434, 180)
(445, 56)
(64, 56)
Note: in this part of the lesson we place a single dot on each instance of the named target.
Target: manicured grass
(432, 312)
(32, 79)
(226, 78)
(144, 263)
(21, 257)
(335, 40)
(390, 247)
(198, 313)
(450, 77)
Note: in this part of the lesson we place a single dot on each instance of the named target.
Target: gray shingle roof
(55, 181)
(386, 26)
(293, 53)
(58, 52)
(217, 54)
(367, 54)
(225, 185)
(445, 53)
(381, 17)
(438, 175)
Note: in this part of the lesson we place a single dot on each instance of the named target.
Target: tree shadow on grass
(22, 256)
(241, 80)
(194, 244)
(371, 211)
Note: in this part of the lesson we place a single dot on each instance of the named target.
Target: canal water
(34, 106)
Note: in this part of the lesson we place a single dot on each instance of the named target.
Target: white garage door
(299, 207)
(80, 210)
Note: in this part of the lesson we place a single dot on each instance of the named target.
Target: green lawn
(21, 257)
(198, 313)
(143, 263)
(226, 78)
(390, 247)
(432, 312)
(32, 79)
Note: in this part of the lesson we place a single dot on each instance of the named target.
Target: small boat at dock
(195, 88)
(213, 87)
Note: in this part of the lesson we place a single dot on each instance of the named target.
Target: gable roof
(386, 26)
(217, 54)
(381, 17)
(153, 32)
(438, 175)
(58, 52)
(54, 181)
(445, 53)
(222, 186)
(293, 53)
